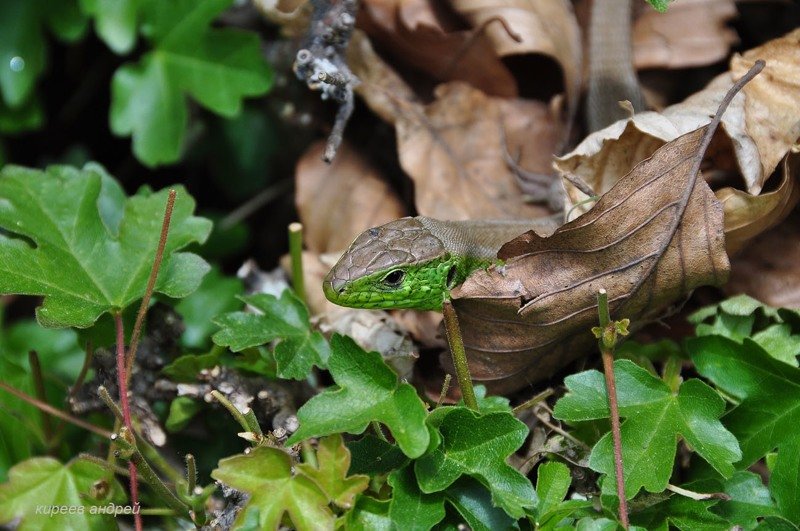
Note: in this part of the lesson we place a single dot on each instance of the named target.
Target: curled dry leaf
(762, 124)
(769, 267)
(293, 16)
(655, 236)
(331, 213)
(424, 38)
(453, 151)
(549, 28)
(691, 33)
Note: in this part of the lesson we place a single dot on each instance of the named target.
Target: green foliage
(40, 487)
(266, 474)
(114, 22)
(478, 446)
(216, 67)
(374, 456)
(659, 5)
(367, 390)
(181, 411)
(85, 247)
(216, 295)
(331, 472)
(285, 320)
(655, 416)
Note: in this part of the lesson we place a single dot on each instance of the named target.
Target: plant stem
(296, 254)
(150, 477)
(607, 353)
(55, 412)
(445, 387)
(233, 410)
(191, 475)
(151, 283)
(308, 454)
(533, 400)
(376, 426)
(38, 385)
(87, 362)
(459, 355)
(122, 382)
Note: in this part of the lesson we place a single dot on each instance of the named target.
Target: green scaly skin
(414, 263)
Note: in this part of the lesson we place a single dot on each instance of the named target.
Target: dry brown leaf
(453, 151)
(544, 27)
(747, 216)
(293, 16)
(648, 242)
(757, 139)
(769, 267)
(418, 35)
(691, 33)
(381, 88)
(331, 213)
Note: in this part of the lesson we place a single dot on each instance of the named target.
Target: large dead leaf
(762, 123)
(655, 236)
(453, 151)
(543, 27)
(769, 267)
(691, 33)
(417, 34)
(337, 200)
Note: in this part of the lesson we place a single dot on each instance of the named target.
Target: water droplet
(17, 64)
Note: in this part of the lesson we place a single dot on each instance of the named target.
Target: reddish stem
(611, 386)
(122, 381)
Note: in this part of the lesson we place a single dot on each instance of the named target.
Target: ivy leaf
(769, 412)
(749, 499)
(678, 512)
(368, 514)
(285, 319)
(552, 483)
(330, 474)
(411, 508)
(367, 390)
(66, 252)
(215, 295)
(478, 446)
(373, 456)
(266, 474)
(181, 410)
(785, 479)
(114, 22)
(776, 523)
(43, 482)
(473, 502)
(216, 67)
(655, 416)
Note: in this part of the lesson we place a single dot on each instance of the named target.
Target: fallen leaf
(453, 151)
(650, 240)
(548, 28)
(326, 198)
(422, 35)
(747, 216)
(690, 33)
(762, 124)
(293, 16)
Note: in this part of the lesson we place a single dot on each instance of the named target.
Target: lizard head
(397, 265)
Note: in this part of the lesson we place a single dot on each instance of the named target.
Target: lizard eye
(394, 278)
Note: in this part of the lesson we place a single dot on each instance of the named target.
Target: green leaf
(411, 508)
(654, 418)
(217, 294)
(285, 319)
(83, 268)
(39, 486)
(186, 368)
(749, 500)
(780, 343)
(552, 483)
(330, 474)
(266, 474)
(368, 514)
(776, 523)
(181, 411)
(681, 513)
(785, 478)
(216, 67)
(478, 446)
(366, 390)
(769, 390)
(596, 524)
(114, 22)
(373, 456)
(27, 117)
(474, 503)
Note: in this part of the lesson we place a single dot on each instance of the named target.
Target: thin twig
(122, 382)
(296, 254)
(87, 363)
(534, 400)
(252, 205)
(55, 412)
(699, 496)
(38, 385)
(607, 353)
(459, 355)
(562, 432)
(445, 388)
(151, 283)
(473, 38)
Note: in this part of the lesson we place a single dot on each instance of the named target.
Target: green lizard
(415, 262)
